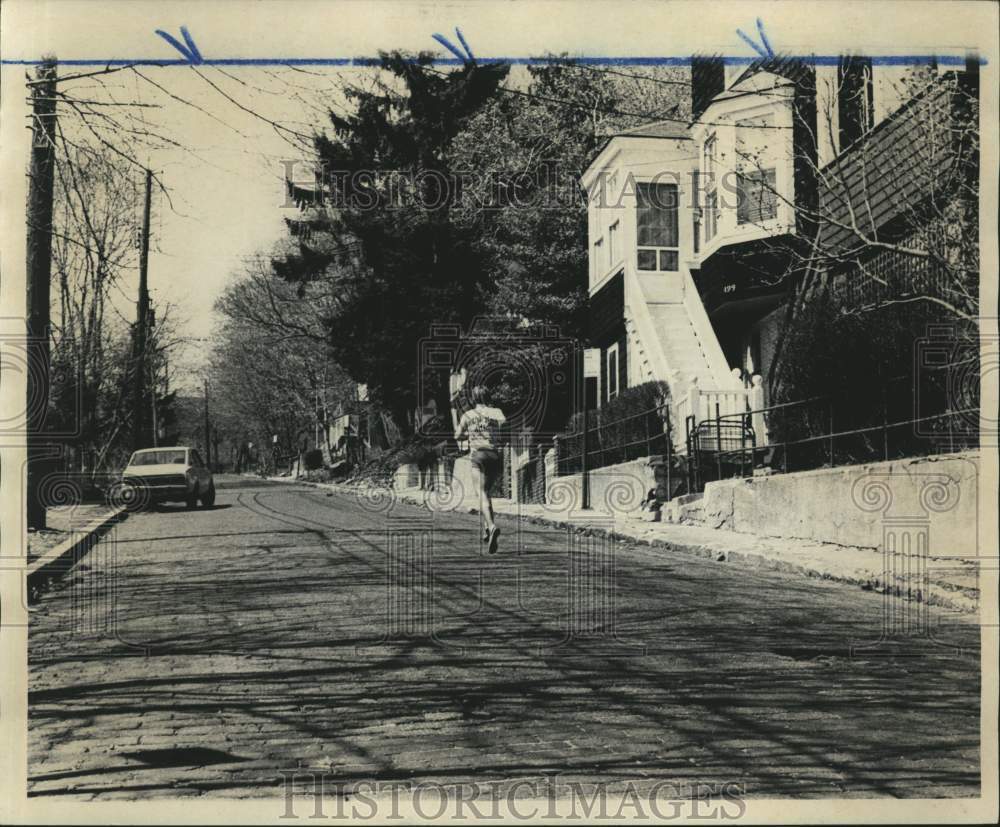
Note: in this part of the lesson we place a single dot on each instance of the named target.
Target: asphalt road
(208, 652)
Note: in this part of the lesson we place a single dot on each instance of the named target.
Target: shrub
(860, 370)
(630, 426)
(313, 459)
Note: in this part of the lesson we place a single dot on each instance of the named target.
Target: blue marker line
(763, 37)
(815, 60)
(192, 55)
(198, 58)
(751, 43)
(190, 51)
(465, 45)
(453, 49)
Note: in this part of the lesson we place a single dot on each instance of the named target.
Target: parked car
(155, 475)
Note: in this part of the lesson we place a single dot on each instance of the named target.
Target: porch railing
(700, 404)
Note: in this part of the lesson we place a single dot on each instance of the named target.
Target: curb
(59, 559)
(941, 596)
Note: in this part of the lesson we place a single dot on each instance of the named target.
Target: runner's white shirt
(482, 424)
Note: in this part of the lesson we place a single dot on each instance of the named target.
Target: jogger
(482, 426)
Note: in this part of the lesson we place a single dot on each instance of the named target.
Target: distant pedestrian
(482, 425)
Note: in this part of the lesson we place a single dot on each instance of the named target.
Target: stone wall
(614, 489)
(933, 498)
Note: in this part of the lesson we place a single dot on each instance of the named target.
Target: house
(699, 231)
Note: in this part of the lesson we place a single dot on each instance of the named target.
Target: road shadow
(180, 508)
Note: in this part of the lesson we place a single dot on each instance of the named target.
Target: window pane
(668, 259)
(612, 373)
(711, 215)
(752, 140)
(757, 199)
(647, 259)
(656, 215)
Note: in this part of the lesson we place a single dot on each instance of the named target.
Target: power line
(606, 110)
(589, 68)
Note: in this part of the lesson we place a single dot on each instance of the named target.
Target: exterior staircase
(675, 341)
(682, 346)
(643, 368)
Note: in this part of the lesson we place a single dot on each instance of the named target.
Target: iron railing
(644, 434)
(715, 454)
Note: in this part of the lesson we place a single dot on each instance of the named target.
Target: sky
(226, 187)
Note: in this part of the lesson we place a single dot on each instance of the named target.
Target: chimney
(708, 79)
(855, 102)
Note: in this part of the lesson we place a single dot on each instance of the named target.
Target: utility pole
(208, 434)
(139, 437)
(154, 381)
(41, 186)
(152, 399)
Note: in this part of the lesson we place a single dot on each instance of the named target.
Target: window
(755, 176)
(612, 371)
(157, 458)
(696, 216)
(597, 261)
(709, 166)
(613, 251)
(711, 215)
(656, 225)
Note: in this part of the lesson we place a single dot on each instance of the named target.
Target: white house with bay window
(696, 230)
(646, 315)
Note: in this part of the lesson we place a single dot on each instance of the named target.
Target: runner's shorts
(488, 462)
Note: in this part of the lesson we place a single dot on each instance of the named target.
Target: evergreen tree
(389, 190)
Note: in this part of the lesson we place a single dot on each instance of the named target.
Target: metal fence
(794, 436)
(731, 446)
(598, 445)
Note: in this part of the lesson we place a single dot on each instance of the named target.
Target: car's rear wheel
(208, 498)
(192, 501)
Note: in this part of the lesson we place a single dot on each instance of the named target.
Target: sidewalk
(62, 523)
(952, 583)
(71, 534)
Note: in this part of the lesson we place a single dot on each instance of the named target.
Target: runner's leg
(488, 480)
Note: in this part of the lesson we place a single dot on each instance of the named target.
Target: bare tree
(886, 243)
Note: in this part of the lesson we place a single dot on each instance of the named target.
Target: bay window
(755, 171)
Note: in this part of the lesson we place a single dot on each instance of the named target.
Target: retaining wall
(614, 489)
(932, 500)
